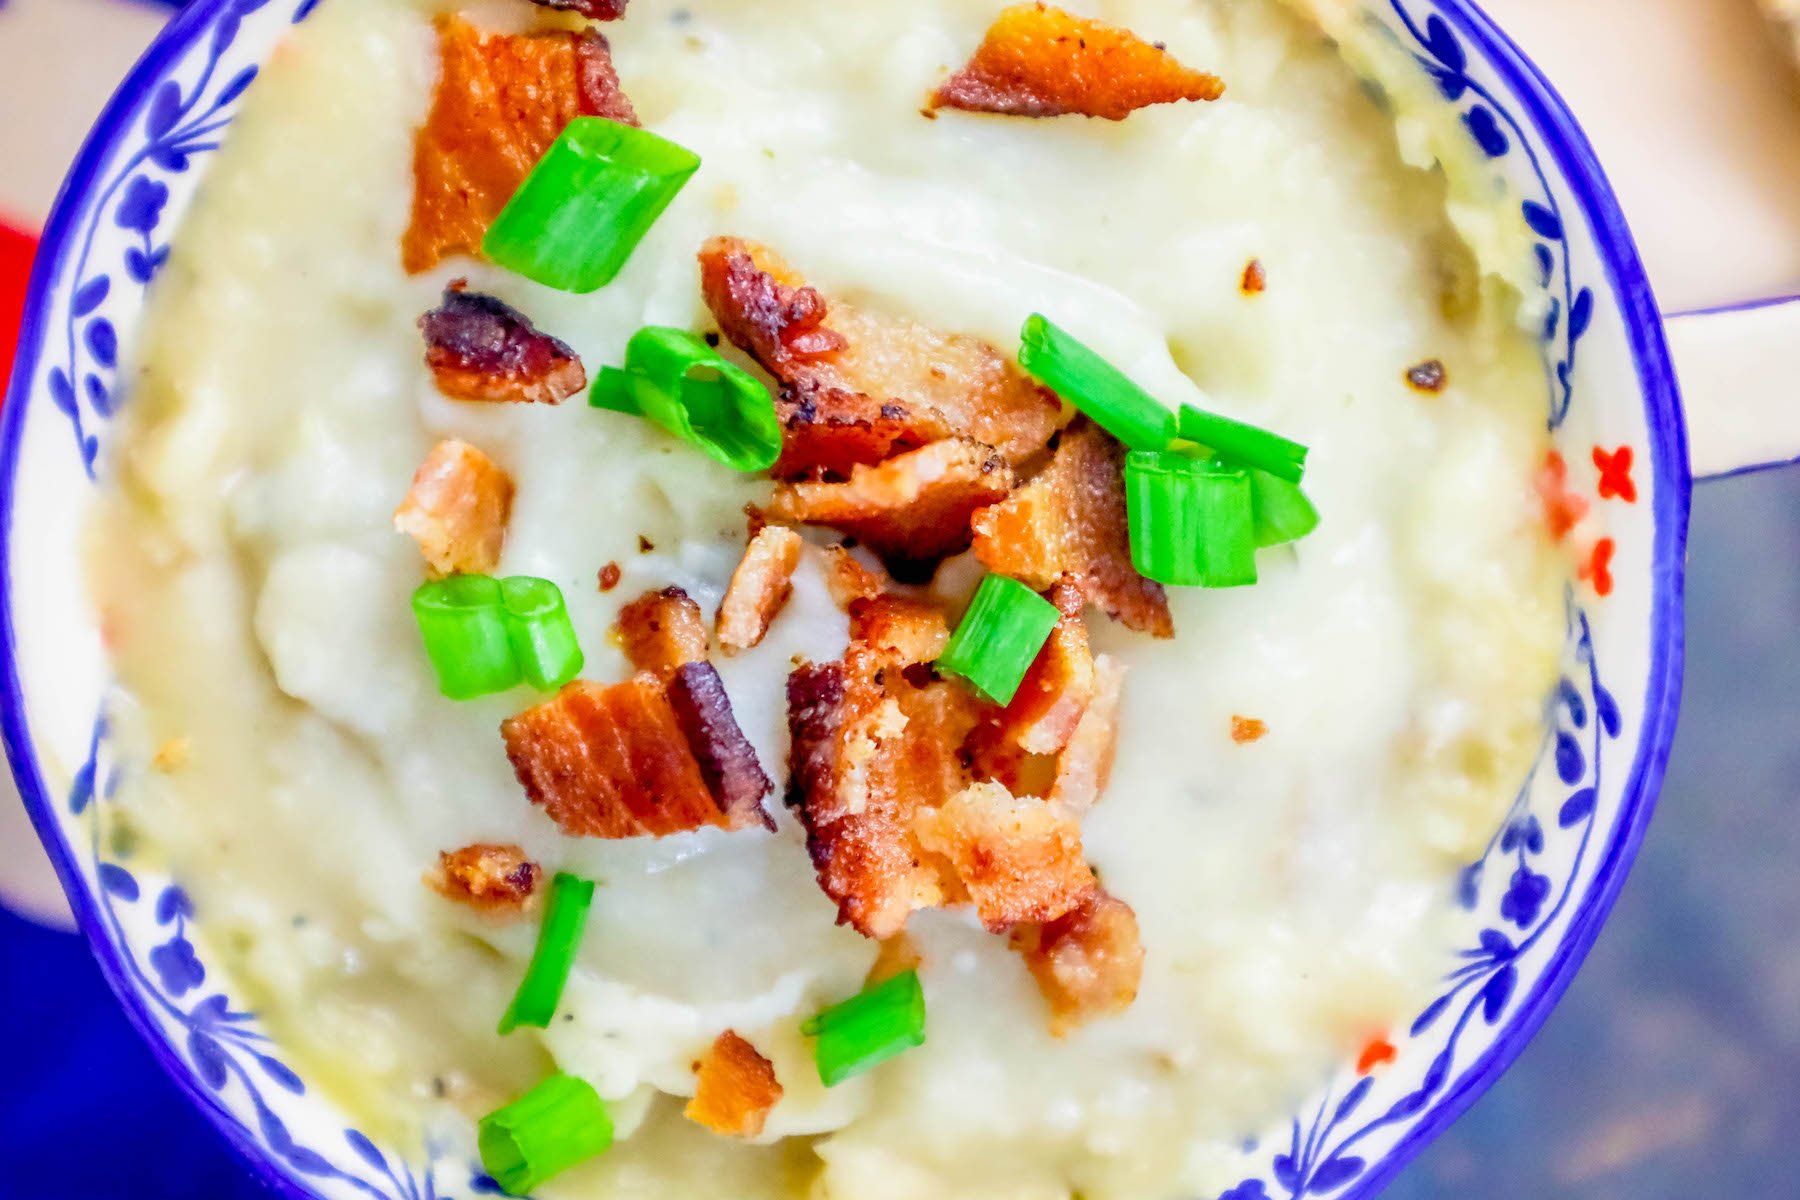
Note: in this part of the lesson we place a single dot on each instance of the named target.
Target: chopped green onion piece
(565, 916)
(1095, 386)
(543, 639)
(615, 390)
(463, 622)
(587, 204)
(1005, 627)
(1191, 521)
(556, 1125)
(682, 384)
(1244, 444)
(868, 1029)
(1283, 513)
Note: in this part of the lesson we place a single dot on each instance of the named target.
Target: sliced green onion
(556, 1125)
(615, 389)
(543, 639)
(1191, 521)
(1283, 513)
(1095, 386)
(1244, 444)
(565, 916)
(587, 204)
(463, 622)
(868, 1029)
(1005, 627)
(682, 384)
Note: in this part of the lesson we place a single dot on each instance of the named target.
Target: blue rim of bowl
(172, 43)
(1667, 433)
(1575, 158)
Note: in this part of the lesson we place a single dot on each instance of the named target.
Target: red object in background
(16, 250)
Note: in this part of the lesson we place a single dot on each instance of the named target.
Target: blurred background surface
(1671, 1069)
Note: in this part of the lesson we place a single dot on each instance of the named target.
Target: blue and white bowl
(1538, 896)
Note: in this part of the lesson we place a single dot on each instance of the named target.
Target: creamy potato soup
(1123, 976)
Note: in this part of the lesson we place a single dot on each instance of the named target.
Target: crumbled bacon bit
(1088, 963)
(664, 636)
(613, 762)
(912, 509)
(735, 1089)
(907, 631)
(457, 510)
(1012, 744)
(759, 588)
(894, 819)
(1019, 858)
(1084, 767)
(870, 747)
(663, 631)
(1428, 377)
(727, 761)
(501, 100)
(480, 348)
(866, 386)
(498, 880)
(849, 579)
(593, 10)
(645, 545)
(1056, 690)
(1247, 729)
(1255, 279)
(898, 955)
(610, 575)
(1070, 520)
(1038, 61)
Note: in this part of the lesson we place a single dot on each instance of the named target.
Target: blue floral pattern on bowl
(1535, 897)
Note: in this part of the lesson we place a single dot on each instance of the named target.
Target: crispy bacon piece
(613, 762)
(457, 509)
(1070, 520)
(1056, 690)
(1245, 730)
(727, 761)
(1087, 963)
(1084, 767)
(501, 100)
(593, 10)
(898, 955)
(735, 1088)
(481, 348)
(1038, 61)
(895, 822)
(1013, 744)
(759, 588)
(662, 632)
(866, 386)
(1019, 858)
(498, 880)
(912, 509)
(870, 747)
(664, 636)
(849, 580)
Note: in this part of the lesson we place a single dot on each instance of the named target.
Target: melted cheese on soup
(1292, 891)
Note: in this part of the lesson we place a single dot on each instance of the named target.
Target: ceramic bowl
(1537, 897)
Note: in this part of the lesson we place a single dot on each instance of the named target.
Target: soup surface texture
(1292, 891)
